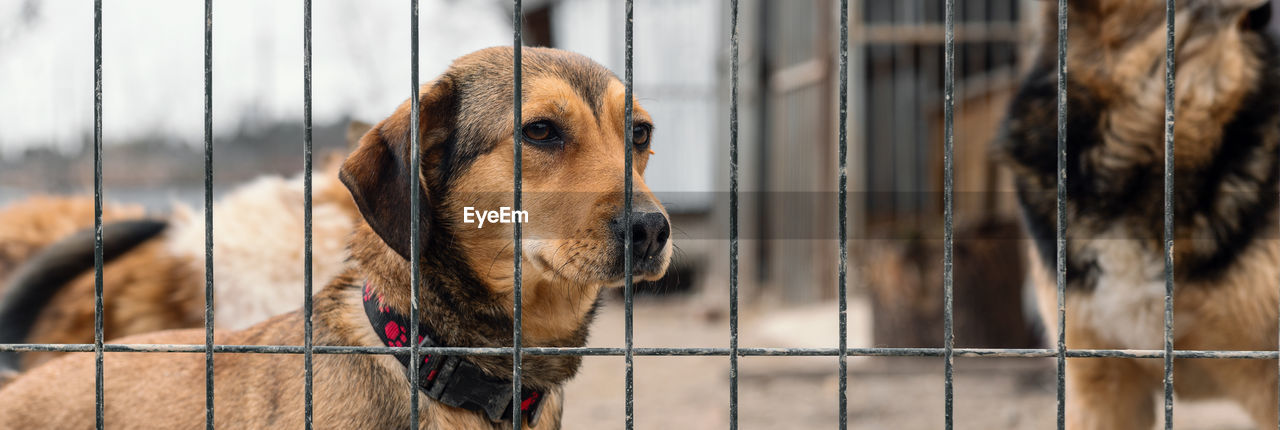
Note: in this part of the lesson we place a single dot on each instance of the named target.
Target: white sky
(153, 63)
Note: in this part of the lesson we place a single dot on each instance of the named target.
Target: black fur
(477, 95)
(1099, 198)
(455, 304)
(38, 280)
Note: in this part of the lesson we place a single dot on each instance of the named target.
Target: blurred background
(153, 128)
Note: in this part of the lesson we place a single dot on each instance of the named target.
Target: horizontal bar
(597, 351)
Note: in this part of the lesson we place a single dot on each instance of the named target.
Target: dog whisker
(489, 273)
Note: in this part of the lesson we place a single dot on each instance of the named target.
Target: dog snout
(649, 233)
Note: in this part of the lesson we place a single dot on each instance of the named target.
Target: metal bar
(1060, 230)
(307, 338)
(843, 217)
(733, 215)
(692, 351)
(948, 214)
(948, 351)
(1169, 72)
(99, 397)
(517, 109)
(208, 213)
(415, 209)
(626, 218)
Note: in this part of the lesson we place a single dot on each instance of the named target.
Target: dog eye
(541, 132)
(640, 135)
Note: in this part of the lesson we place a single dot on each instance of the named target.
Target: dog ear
(1258, 17)
(378, 172)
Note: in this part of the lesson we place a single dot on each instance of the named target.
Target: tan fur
(251, 390)
(258, 233)
(560, 252)
(160, 284)
(1116, 81)
(27, 226)
(139, 296)
(371, 391)
(1238, 313)
(1119, 52)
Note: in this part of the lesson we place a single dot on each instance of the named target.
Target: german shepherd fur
(466, 299)
(1226, 254)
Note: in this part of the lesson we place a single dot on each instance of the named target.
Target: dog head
(573, 142)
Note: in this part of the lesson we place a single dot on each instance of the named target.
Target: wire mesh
(947, 352)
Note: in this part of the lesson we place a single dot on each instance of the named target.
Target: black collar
(450, 379)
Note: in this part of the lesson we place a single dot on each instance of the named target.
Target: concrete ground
(800, 392)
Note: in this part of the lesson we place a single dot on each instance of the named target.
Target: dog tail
(35, 283)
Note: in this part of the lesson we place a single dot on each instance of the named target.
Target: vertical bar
(843, 137)
(733, 215)
(1060, 233)
(97, 214)
(948, 210)
(208, 213)
(1168, 212)
(306, 214)
(415, 207)
(517, 143)
(626, 219)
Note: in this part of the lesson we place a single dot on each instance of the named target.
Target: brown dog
(1226, 257)
(573, 175)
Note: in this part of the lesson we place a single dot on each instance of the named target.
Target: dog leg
(1109, 394)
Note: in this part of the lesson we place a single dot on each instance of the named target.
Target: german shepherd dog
(573, 175)
(1227, 260)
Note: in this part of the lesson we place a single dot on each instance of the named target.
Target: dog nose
(649, 233)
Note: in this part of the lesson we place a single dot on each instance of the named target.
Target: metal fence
(948, 352)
